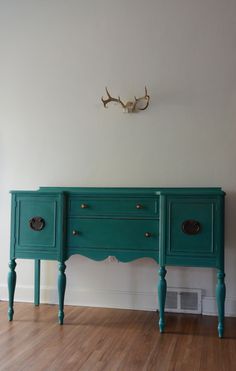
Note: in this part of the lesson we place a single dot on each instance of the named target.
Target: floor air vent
(180, 300)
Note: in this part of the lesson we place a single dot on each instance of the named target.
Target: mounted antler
(111, 99)
(137, 100)
(130, 106)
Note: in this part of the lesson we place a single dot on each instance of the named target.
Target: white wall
(56, 57)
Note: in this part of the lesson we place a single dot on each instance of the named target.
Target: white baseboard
(110, 299)
(94, 298)
(209, 306)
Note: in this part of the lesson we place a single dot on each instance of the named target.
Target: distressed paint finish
(128, 223)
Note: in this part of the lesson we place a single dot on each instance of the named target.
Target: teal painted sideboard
(173, 226)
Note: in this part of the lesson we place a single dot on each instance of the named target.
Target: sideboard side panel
(220, 227)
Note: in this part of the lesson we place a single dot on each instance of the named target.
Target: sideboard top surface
(131, 191)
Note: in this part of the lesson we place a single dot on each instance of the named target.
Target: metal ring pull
(191, 227)
(147, 234)
(37, 223)
(139, 206)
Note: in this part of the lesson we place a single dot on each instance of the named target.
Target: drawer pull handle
(75, 232)
(84, 206)
(191, 227)
(139, 206)
(147, 234)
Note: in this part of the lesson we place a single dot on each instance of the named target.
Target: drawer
(113, 234)
(191, 227)
(83, 206)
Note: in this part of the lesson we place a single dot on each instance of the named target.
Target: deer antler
(130, 106)
(145, 97)
(111, 99)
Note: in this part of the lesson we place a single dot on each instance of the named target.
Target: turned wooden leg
(11, 288)
(61, 291)
(37, 282)
(220, 298)
(162, 298)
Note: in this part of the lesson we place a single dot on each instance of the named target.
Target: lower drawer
(128, 234)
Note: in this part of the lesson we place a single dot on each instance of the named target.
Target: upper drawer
(113, 206)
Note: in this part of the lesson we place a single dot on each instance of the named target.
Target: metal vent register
(181, 300)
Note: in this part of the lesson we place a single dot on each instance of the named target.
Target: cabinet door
(37, 230)
(191, 231)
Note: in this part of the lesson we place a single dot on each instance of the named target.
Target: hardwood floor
(95, 339)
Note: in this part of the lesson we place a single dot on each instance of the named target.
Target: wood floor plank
(100, 339)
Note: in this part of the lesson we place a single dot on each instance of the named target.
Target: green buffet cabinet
(173, 226)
